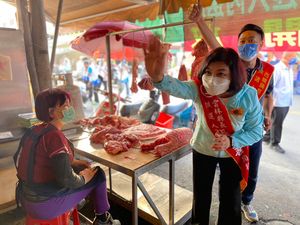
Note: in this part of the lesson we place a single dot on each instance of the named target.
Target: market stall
(137, 164)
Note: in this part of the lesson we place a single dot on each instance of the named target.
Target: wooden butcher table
(136, 165)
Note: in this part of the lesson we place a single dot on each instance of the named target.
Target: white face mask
(215, 85)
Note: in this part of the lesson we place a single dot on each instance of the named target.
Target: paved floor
(277, 197)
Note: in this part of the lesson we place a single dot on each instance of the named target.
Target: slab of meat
(145, 131)
(115, 143)
(173, 140)
(115, 147)
(98, 135)
(119, 122)
(152, 145)
(132, 140)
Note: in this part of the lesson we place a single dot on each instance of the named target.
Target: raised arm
(155, 63)
(208, 36)
(156, 59)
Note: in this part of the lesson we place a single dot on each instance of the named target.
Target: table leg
(171, 191)
(110, 181)
(134, 201)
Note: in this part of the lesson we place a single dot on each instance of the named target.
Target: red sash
(218, 121)
(261, 79)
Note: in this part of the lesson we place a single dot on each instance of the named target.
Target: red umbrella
(128, 46)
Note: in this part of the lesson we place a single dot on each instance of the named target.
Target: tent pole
(161, 2)
(40, 47)
(59, 9)
(108, 59)
(160, 26)
(24, 26)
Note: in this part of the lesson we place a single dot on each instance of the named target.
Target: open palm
(156, 58)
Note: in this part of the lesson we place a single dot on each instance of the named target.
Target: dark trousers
(204, 168)
(255, 151)
(278, 116)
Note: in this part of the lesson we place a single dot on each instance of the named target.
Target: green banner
(176, 33)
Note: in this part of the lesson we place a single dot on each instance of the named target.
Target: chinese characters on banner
(283, 41)
(280, 20)
(275, 41)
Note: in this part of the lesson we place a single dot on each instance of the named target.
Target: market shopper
(229, 119)
(283, 98)
(259, 76)
(91, 81)
(48, 184)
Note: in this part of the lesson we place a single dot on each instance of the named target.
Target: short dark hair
(232, 60)
(47, 99)
(253, 27)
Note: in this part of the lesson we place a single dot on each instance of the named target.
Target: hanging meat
(200, 50)
(165, 97)
(134, 87)
(182, 75)
(172, 141)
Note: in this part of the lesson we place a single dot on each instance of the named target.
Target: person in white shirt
(283, 97)
(102, 73)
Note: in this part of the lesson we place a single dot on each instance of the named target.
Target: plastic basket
(164, 120)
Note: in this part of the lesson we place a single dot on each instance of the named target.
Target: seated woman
(229, 119)
(48, 185)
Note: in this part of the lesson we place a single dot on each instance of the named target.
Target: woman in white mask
(229, 119)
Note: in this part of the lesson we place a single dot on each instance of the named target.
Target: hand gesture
(156, 58)
(221, 142)
(195, 12)
(80, 164)
(267, 123)
(88, 174)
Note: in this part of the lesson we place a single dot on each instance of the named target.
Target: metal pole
(109, 74)
(171, 191)
(134, 200)
(156, 27)
(59, 9)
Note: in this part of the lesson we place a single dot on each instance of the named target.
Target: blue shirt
(248, 127)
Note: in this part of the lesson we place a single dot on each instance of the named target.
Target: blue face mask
(68, 115)
(293, 61)
(248, 52)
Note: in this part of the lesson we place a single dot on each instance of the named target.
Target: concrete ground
(277, 197)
